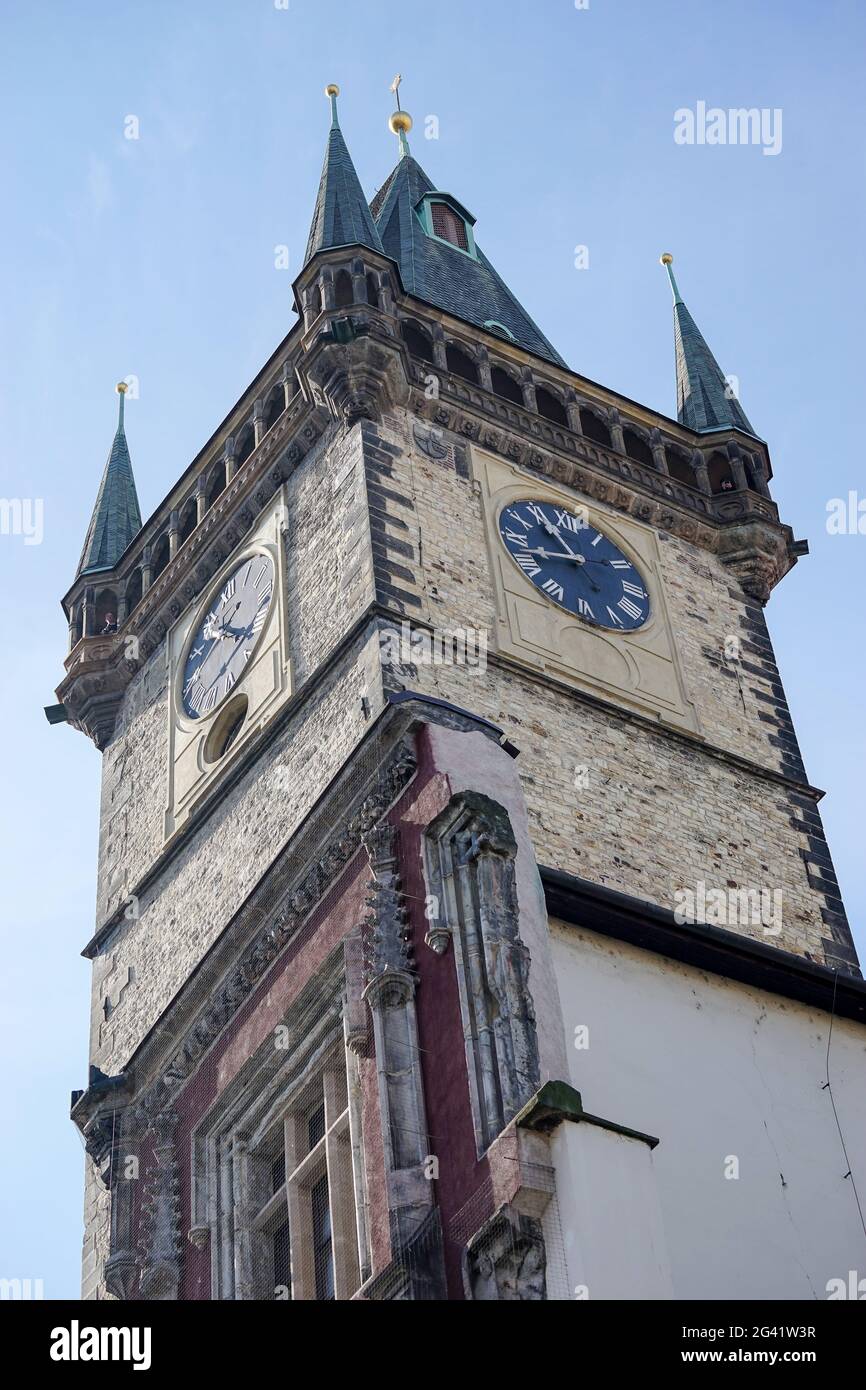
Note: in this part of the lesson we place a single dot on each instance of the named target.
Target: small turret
(342, 216)
(705, 399)
(116, 518)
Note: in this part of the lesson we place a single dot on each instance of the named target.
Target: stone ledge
(558, 1101)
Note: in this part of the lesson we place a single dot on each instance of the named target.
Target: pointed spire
(463, 282)
(704, 397)
(342, 216)
(116, 516)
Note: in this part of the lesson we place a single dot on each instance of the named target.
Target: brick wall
(329, 562)
(659, 811)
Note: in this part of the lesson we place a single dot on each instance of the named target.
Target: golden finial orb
(332, 90)
(399, 122)
(122, 387)
(666, 258)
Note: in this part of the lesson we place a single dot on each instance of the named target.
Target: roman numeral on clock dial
(555, 590)
(629, 606)
(527, 563)
(574, 564)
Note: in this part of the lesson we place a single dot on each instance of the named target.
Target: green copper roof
(342, 216)
(116, 517)
(704, 399)
(464, 285)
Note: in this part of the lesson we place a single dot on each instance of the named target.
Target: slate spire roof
(704, 400)
(342, 215)
(464, 285)
(116, 516)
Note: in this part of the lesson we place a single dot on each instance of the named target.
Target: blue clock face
(574, 565)
(226, 637)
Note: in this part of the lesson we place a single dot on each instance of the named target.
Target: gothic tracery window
(278, 1171)
(306, 1225)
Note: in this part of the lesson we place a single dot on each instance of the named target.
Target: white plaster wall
(609, 1215)
(718, 1070)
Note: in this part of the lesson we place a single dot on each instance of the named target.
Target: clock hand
(549, 554)
(576, 558)
(567, 554)
(554, 531)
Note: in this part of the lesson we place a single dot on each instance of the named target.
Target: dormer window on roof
(448, 226)
(444, 219)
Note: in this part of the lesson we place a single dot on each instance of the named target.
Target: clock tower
(463, 902)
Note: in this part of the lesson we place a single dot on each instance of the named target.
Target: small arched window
(448, 226)
(550, 406)
(505, 386)
(245, 445)
(274, 406)
(416, 341)
(460, 363)
(720, 475)
(161, 555)
(315, 301)
(187, 521)
(105, 616)
(372, 290)
(638, 449)
(595, 428)
(133, 590)
(344, 291)
(679, 466)
(216, 485)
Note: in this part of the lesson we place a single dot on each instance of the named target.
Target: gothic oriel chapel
(433, 689)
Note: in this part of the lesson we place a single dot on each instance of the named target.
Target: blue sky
(156, 257)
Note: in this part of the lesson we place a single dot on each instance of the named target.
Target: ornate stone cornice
(358, 373)
(762, 550)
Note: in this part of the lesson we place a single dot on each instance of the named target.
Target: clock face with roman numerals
(575, 565)
(226, 637)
